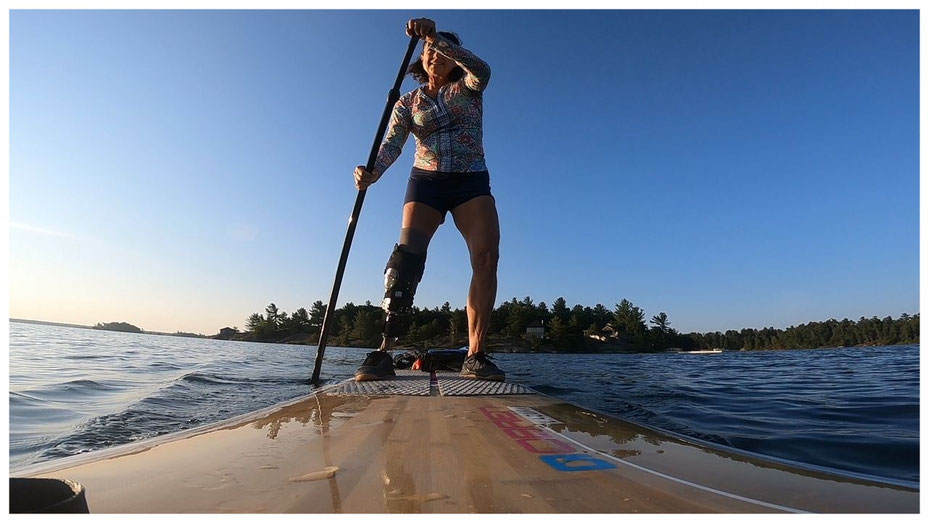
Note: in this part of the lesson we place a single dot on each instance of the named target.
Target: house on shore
(537, 329)
(226, 333)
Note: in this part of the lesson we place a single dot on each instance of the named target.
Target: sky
(180, 170)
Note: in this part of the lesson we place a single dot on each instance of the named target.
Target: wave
(85, 385)
(71, 389)
(554, 390)
(24, 398)
(216, 379)
(209, 379)
(164, 365)
(170, 409)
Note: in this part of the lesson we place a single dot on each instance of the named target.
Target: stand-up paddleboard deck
(415, 383)
(449, 444)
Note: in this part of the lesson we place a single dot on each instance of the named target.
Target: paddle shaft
(392, 97)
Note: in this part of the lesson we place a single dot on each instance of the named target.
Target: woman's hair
(418, 72)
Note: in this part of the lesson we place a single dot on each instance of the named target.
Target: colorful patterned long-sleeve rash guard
(449, 128)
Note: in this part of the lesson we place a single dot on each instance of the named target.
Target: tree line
(576, 329)
(830, 333)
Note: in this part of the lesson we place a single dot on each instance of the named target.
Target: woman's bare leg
(478, 222)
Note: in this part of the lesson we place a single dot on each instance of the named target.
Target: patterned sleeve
(398, 130)
(478, 72)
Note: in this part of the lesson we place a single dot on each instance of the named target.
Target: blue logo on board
(575, 462)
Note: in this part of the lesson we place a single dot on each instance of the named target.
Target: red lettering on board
(525, 433)
(503, 416)
(506, 424)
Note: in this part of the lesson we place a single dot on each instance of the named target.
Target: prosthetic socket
(403, 273)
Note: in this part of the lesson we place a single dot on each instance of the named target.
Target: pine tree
(317, 315)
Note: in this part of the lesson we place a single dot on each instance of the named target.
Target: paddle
(392, 98)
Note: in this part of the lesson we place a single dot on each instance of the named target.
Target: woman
(445, 114)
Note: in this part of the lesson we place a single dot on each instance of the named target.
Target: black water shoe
(377, 366)
(479, 366)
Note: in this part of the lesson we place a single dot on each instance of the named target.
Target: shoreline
(502, 346)
(509, 347)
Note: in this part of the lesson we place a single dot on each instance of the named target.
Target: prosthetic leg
(403, 273)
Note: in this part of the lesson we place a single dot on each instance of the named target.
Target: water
(853, 409)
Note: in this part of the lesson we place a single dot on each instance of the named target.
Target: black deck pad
(405, 383)
(454, 385)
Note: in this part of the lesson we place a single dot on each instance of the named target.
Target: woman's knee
(485, 258)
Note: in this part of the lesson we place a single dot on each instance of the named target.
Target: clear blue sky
(180, 170)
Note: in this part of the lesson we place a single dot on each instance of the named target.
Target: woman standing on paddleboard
(445, 115)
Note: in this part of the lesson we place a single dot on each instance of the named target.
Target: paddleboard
(435, 442)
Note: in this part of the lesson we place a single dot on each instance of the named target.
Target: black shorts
(445, 191)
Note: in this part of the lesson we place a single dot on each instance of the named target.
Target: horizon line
(144, 331)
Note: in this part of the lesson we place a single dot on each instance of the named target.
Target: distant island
(114, 326)
(524, 326)
(118, 326)
(128, 327)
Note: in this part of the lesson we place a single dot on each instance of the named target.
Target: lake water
(851, 409)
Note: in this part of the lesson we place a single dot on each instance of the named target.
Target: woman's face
(435, 63)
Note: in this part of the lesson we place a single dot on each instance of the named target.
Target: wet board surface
(336, 453)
